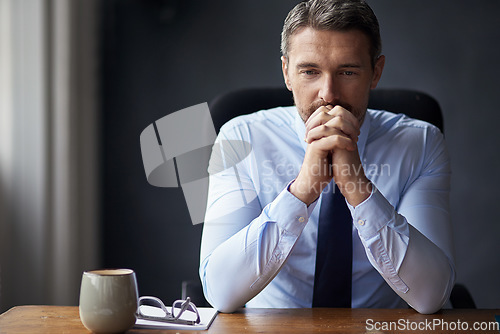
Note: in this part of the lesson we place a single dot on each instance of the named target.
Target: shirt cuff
(372, 215)
(290, 213)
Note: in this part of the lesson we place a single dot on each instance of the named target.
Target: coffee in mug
(108, 300)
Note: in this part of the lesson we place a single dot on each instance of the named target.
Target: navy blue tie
(333, 274)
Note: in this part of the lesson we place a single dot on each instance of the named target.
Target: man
(393, 172)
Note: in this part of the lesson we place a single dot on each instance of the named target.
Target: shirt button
(361, 222)
(302, 219)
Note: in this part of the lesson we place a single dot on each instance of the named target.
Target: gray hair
(335, 15)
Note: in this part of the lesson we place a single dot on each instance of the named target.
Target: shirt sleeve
(411, 245)
(244, 245)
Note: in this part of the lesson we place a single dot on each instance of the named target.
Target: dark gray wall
(450, 50)
(159, 56)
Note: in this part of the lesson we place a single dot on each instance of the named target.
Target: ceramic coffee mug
(108, 300)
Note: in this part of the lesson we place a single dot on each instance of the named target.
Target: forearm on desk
(237, 269)
(415, 267)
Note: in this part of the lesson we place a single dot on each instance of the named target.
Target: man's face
(330, 67)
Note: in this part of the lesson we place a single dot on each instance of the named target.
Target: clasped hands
(332, 134)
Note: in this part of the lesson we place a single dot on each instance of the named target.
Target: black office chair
(460, 297)
(244, 101)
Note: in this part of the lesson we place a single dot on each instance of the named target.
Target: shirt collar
(300, 129)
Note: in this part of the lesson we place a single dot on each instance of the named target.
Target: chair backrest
(244, 101)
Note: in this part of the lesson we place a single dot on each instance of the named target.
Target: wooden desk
(65, 319)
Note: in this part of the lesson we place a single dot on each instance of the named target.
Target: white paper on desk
(207, 316)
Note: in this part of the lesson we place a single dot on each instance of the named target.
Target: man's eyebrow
(350, 66)
(307, 65)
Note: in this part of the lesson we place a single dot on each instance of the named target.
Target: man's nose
(329, 90)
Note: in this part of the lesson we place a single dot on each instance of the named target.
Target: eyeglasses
(152, 308)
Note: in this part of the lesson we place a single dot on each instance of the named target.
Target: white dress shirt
(259, 241)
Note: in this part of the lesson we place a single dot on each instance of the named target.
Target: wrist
(304, 192)
(356, 192)
(315, 174)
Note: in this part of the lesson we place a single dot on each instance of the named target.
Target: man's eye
(310, 72)
(348, 73)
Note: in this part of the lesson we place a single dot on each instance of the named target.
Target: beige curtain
(48, 149)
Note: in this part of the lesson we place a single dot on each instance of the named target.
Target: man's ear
(284, 68)
(377, 71)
